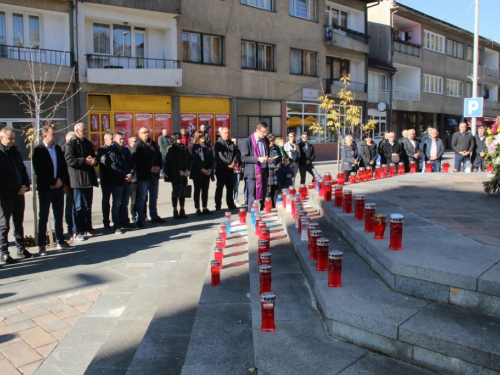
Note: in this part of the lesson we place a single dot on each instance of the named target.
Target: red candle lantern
(265, 234)
(341, 178)
(347, 201)
(258, 219)
(242, 215)
(376, 175)
(359, 207)
(361, 174)
(321, 188)
(335, 269)
(446, 167)
(383, 171)
(265, 258)
(401, 169)
(315, 236)
(219, 242)
(262, 224)
(328, 191)
(392, 170)
(267, 311)
(219, 255)
(380, 224)
(369, 217)
(327, 176)
(303, 192)
(268, 205)
(215, 271)
(297, 220)
(396, 234)
(265, 278)
(338, 196)
(413, 167)
(310, 228)
(428, 167)
(322, 254)
(223, 235)
(368, 173)
(263, 247)
(352, 178)
(291, 190)
(294, 203)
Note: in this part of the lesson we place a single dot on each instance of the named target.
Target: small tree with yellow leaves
(345, 119)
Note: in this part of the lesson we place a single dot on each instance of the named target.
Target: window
(470, 53)
(3, 39)
(257, 56)
(454, 87)
(434, 42)
(454, 49)
(468, 90)
(303, 9)
(101, 38)
(121, 41)
(335, 17)
(202, 48)
(433, 84)
(302, 62)
(263, 4)
(252, 111)
(18, 29)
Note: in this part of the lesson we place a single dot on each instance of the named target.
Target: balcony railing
(488, 104)
(125, 62)
(409, 95)
(356, 86)
(407, 47)
(489, 71)
(356, 35)
(377, 96)
(38, 55)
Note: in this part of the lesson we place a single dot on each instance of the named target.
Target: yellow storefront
(127, 113)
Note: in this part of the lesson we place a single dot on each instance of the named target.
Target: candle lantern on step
(359, 207)
(262, 225)
(227, 216)
(297, 220)
(380, 224)
(268, 205)
(263, 247)
(392, 170)
(253, 211)
(401, 168)
(428, 167)
(321, 192)
(267, 311)
(341, 178)
(303, 192)
(265, 278)
(215, 271)
(265, 258)
(347, 199)
(352, 178)
(304, 223)
(335, 269)
(396, 232)
(219, 255)
(242, 215)
(328, 191)
(446, 167)
(258, 219)
(361, 174)
(289, 200)
(294, 206)
(265, 234)
(219, 242)
(311, 227)
(322, 254)
(338, 195)
(383, 171)
(413, 167)
(315, 236)
(369, 217)
(291, 190)
(368, 173)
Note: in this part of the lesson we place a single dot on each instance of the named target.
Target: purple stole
(259, 191)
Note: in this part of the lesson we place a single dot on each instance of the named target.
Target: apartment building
(420, 70)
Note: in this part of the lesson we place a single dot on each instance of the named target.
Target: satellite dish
(382, 106)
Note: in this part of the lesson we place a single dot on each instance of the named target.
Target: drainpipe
(392, 10)
(76, 83)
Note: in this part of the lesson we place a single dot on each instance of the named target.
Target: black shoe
(107, 226)
(24, 254)
(42, 252)
(130, 226)
(7, 259)
(158, 220)
(176, 214)
(198, 212)
(217, 209)
(206, 211)
(140, 224)
(182, 214)
(232, 207)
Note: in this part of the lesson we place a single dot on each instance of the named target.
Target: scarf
(259, 189)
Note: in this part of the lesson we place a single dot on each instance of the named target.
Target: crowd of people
(470, 150)
(130, 174)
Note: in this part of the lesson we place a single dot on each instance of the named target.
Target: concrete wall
(164, 6)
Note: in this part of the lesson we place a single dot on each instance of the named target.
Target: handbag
(182, 191)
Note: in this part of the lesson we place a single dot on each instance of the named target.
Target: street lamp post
(475, 62)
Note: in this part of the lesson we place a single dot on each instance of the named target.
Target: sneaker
(93, 233)
(130, 226)
(118, 231)
(158, 220)
(42, 252)
(78, 237)
(198, 212)
(63, 245)
(140, 224)
(206, 211)
(24, 254)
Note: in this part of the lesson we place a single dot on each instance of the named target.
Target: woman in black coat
(177, 169)
(350, 157)
(368, 152)
(201, 171)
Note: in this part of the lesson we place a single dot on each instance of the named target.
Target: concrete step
(366, 312)
(436, 263)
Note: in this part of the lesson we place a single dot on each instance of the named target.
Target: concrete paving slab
(373, 364)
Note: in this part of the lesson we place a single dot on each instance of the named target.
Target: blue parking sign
(473, 107)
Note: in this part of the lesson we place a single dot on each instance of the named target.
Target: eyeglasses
(262, 131)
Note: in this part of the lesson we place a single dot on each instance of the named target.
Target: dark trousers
(133, 202)
(11, 207)
(69, 212)
(121, 195)
(274, 190)
(201, 187)
(46, 198)
(82, 199)
(306, 168)
(459, 159)
(225, 178)
(251, 189)
(106, 207)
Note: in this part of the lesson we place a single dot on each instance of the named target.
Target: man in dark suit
(392, 150)
(225, 158)
(51, 181)
(254, 155)
(434, 150)
(306, 158)
(104, 174)
(410, 149)
(480, 147)
(462, 142)
(14, 183)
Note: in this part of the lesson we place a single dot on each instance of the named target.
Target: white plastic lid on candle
(327, 174)
(263, 242)
(268, 297)
(265, 268)
(227, 214)
(316, 233)
(268, 198)
(347, 192)
(370, 206)
(303, 185)
(218, 250)
(265, 230)
(339, 187)
(215, 263)
(359, 196)
(396, 218)
(328, 183)
(353, 173)
(313, 226)
(265, 255)
(335, 254)
(361, 169)
(322, 241)
(243, 209)
(302, 213)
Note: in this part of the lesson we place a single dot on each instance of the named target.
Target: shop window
(250, 112)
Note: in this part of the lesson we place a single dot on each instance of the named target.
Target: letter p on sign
(473, 107)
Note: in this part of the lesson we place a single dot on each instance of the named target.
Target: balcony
(488, 104)
(39, 55)
(408, 48)
(136, 71)
(355, 86)
(334, 87)
(338, 36)
(377, 96)
(405, 94)
(489, 71)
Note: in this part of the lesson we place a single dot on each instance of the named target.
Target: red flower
(494, 128)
